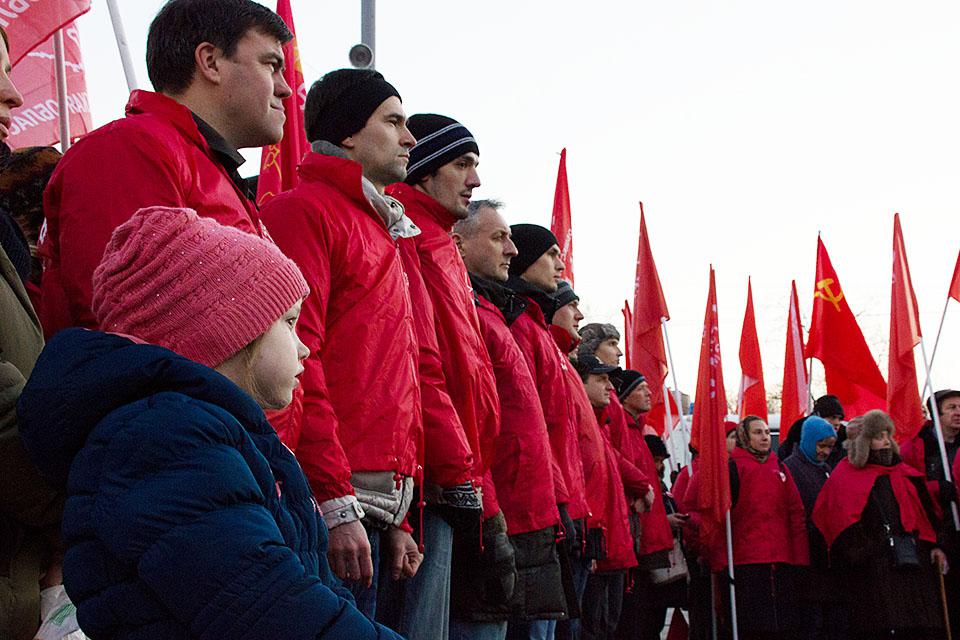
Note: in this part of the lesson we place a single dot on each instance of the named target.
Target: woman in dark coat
(878, 520)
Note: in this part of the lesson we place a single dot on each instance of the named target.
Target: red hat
(192, 285)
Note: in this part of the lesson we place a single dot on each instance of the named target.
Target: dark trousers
(602, 602)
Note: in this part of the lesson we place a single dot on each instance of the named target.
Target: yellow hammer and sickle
(824, 291)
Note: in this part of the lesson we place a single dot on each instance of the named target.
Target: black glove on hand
(498, 561)
(461, 507)
(573, 534)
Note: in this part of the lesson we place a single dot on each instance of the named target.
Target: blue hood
(82, 376)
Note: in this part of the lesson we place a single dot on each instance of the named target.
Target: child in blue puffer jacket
(186, 517)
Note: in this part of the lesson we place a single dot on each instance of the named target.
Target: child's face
(277, 363)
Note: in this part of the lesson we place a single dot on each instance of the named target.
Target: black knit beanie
(532, 241)
(827, 406)
(626, 382)
(439, 140)
(340, 103)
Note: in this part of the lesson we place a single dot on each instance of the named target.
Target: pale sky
(745, 127)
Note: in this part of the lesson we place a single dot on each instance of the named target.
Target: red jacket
(154, 156)
(627, 438)
(467, 371)
(361, 394)
(604, 488)
(522, 461)
(768, 520)
(550, 369)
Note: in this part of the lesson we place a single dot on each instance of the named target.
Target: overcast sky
(746, 127)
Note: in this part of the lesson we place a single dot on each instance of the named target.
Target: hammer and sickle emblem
(824, 291)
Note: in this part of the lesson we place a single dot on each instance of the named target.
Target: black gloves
(461, 507)
(498, 561)
(948, 492)
(573, 532)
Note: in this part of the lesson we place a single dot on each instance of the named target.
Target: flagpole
(673, 372)
(713, 606)
(62, 90)
(938, 429)
(933, 354)
(809, 386)
(121, 36)
(733, 589)
(666, 394)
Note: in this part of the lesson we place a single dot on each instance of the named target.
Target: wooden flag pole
(62, 90)
(676, 460)
(938, 429)
(733, 588)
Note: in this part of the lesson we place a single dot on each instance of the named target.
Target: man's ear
(458, 240)
(207, 58)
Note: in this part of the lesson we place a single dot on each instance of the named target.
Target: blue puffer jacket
(186, 516)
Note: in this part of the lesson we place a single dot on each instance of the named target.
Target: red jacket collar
(565, 342)
(169, 109)
(344, 175)
(418, 205)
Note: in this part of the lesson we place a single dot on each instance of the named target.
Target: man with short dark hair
(217, 67)
(358, 434)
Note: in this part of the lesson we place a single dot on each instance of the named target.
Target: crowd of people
(368, 409)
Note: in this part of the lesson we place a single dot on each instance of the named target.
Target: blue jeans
(419, 608)
(460, 630)
(536, 630)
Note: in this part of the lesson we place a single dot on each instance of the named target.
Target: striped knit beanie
(192, 285)
(439, 140)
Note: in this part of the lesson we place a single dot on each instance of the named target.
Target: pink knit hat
(192, 285)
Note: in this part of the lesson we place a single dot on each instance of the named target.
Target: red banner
(752, 399)
(560, 220)
(708, 436)
(955, 281)
(278, 162)
(836, 341)
(29, 23)
(37, 122)
(903, 395)
(647, 353)
(795, 392)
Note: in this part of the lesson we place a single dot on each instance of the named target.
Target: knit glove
(461, 507)
(948, 492)
(498, 561)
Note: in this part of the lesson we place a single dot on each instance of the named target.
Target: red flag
(37, 122)
(647, 353)
(278, 162)
(794, 394)
(955, 282)
(903, 396)
(560, 220)
(752, 399)
(30, 23)
(679, 630)
(836, 341)
(627, 332)
(707, 436)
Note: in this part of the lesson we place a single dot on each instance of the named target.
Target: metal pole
(809, 388)
(713, 606)
(121, 36)
(938, 429)
(733, 589)
(368, 27)
(933, 354)
(666, 403)
(62, 91)
(673, 373)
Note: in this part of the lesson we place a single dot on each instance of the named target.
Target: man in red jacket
(217, 67)
(522, 460)
(440, 179)
(359, 432)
